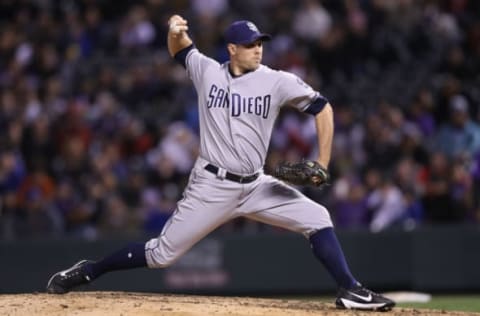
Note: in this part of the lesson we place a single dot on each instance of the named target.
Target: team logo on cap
(252, 27)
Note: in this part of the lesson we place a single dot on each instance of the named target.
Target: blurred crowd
(99, 127)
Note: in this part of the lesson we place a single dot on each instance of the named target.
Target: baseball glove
(307, 172)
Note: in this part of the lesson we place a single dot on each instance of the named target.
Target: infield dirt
(143, 304)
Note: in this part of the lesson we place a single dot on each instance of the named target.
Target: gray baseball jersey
(237, 115)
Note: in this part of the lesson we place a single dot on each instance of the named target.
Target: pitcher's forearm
(324, 124)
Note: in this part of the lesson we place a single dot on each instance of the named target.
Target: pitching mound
(140, 304)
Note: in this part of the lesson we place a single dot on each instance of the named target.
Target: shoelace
(71, 274)
(370, 292)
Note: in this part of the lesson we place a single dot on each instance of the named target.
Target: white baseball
(174, 28)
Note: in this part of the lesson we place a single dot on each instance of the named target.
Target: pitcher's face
(247, 56)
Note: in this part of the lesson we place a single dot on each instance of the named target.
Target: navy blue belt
(232, 176)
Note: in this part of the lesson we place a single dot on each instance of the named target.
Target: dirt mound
(142, 304)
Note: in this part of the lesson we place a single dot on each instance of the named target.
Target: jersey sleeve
(197, 64)
(295, 92)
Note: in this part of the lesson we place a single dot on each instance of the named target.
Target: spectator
(34, 197)
(137, 31)
(312, 21)
(385, 201)
(154, 210)
(461, 136)
(350, 204)
(437, 199)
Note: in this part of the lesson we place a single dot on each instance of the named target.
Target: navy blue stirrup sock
(327, 249)
(132, 256)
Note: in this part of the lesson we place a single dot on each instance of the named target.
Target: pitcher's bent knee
(319, 219)
(159, 254)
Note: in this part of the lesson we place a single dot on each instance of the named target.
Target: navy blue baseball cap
(244, 32)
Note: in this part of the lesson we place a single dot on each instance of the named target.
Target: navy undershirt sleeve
(181, 56)
(316, 106)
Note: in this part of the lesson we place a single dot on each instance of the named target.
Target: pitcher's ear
(232, 49)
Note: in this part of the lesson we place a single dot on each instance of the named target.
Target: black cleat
(362, 299)
(62, 282)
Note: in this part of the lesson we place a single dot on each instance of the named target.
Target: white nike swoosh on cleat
(364, 298)
(365, 306)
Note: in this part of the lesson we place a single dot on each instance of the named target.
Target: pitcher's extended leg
(197, 214)
(286, 207)
(281, 205)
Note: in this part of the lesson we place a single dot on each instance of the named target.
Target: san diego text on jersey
(258, 105)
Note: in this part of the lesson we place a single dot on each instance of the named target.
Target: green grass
(468, 303)
(464, 303)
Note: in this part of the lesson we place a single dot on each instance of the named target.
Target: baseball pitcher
(238, 103)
